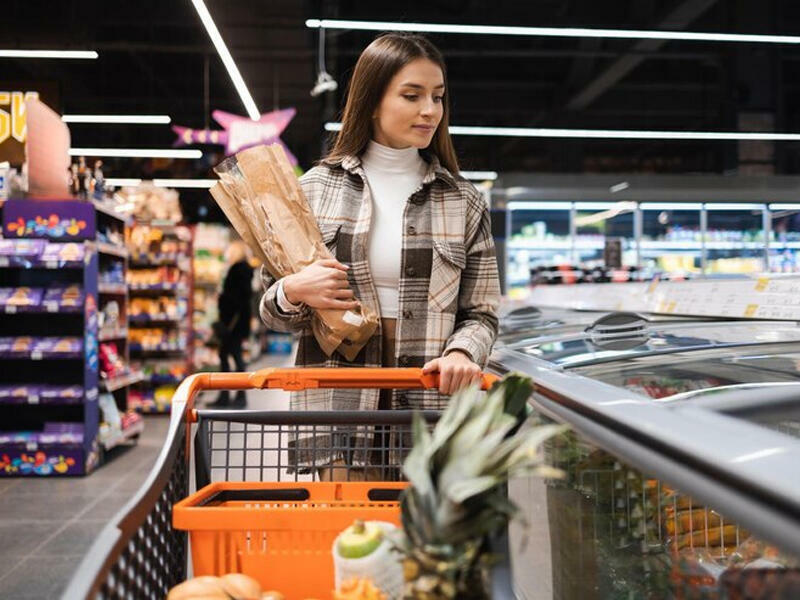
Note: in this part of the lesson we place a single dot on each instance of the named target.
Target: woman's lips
(423, 128)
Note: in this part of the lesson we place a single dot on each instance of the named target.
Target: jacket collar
(352, 164)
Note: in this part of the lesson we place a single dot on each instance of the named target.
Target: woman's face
(412, 107)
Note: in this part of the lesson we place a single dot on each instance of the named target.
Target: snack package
(49, 394)
(69, 252)
(64, 296)
(264, 202)
(24, 296)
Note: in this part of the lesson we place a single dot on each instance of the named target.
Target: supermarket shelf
(105, 335)
(158, 288)
(117, 383)
(160, 349)
(112, 250)
(45, 307)
(46, 401)
(151, 408)
(108, 211)
(162, 380)
(207, 285)
(112, 288)
(16, 262)
(124, 435)
(28, 355)
(153, 320)
(553, 245)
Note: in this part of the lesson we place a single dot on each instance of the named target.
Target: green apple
(359, 540)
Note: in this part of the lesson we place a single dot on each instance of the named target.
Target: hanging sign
(240, 132)
(13, 117)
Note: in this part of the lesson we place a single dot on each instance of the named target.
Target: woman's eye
(411, 97)
(438, 98)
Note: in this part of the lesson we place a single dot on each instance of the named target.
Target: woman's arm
(271, 314)
(479, 293)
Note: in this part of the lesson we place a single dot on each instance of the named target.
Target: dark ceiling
(154, 56)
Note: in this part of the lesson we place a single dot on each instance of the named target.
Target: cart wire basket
(261, 492)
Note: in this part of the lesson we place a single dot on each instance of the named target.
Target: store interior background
(678, 208)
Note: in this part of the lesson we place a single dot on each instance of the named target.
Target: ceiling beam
(686, 12)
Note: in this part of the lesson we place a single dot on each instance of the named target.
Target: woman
(234, 317)
(410, 236)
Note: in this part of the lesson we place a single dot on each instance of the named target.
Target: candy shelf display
(63, 350)
(160, 316)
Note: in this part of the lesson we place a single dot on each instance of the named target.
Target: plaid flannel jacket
(449, 288)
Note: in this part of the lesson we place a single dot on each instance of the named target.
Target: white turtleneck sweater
(392, 175)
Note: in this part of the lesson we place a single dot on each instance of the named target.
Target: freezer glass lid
(625, 341)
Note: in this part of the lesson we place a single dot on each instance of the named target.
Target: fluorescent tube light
(122, 181)
(135, 153)
(784, 206)
(623, 185)
(132, 119)
(479, 175)
(227, 59)
(84, 54)
(535, 205)
(670, 206)
(184, 183)
(571, 32)
(611, 134)
(733, 206)
(597, 205)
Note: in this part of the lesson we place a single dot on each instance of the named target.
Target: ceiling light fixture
(572, 32)
(135, 153)
(612, 134)
(227, 60)
(82, 54)
(479, 175)
(184, 183)
(122, 181)
(113, 119)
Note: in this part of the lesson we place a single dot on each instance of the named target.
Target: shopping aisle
(48, 525)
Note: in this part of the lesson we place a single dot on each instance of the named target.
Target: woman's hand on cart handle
(456, 371)
(322, 284)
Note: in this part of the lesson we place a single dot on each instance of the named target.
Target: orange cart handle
(293, 379)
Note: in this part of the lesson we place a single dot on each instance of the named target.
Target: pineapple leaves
(459, 470)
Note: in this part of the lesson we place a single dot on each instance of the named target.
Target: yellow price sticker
(751, 309)
(761, 284)
(671, 306)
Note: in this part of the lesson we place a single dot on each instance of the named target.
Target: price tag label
(762, 283)
(751, 309)
(4, 262)
(36, 355)
(51, 306)
(11, 309)
(51, 264)
(33, 399)
(31, 446)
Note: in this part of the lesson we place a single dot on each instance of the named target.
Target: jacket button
(411, 230)
(411, 271)
(407, 314)
(418, 200)
(403, 360)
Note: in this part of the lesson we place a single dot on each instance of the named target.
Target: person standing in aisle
(410, 237)
(233, 327)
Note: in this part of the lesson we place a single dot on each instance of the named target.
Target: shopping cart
(239, 459)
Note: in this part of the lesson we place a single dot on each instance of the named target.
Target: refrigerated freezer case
(665, 497)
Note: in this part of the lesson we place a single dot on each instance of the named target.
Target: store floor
(48, 525)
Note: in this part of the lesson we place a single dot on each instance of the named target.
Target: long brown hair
(378, 63)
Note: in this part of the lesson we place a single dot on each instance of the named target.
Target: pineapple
(457, 496)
